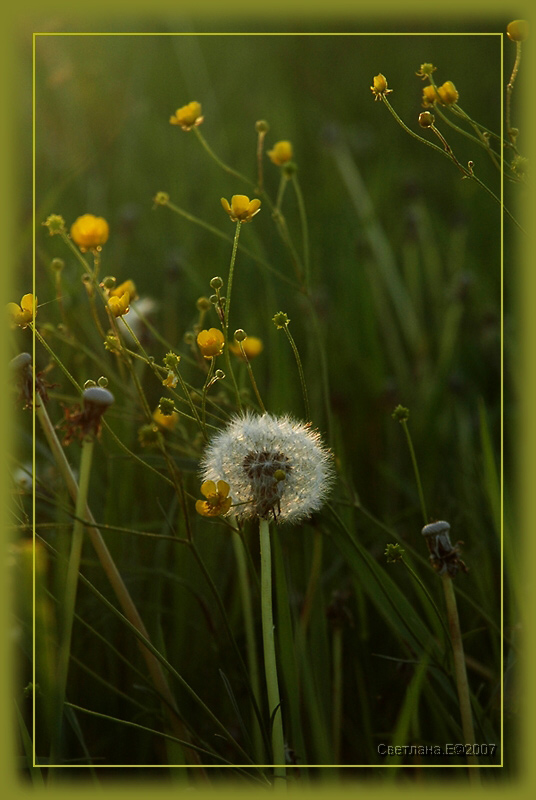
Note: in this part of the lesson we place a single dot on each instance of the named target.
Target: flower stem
(228, 310)
(509, 90)
(415, 470)
(337, 692)
(252, 378)
(461, 672)
(218, 161)
(69, 600)
(270, 665)
(112, 573)
(305, 232)
(300, 371)
(251, 646)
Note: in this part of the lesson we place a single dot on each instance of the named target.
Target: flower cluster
(275, 466)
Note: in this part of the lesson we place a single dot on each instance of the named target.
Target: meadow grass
(382, 268)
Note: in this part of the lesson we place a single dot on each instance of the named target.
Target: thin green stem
(461, 671)
(336, 695)
(270, 664)
(228, 311)
(204, 395)
(260, 146)
(509, 89)
(218, 160)
(69, 601)
(415, 470)
(305, 231)
(251, 645)
(53, 355)
(252, 377)
(300, 371)
(280, 192)
(110, 569)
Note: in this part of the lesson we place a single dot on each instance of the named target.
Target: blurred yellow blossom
(280, 153)
(89, 232)
(252, 345)
(127, 286)
(447, 94)
(188, 117)
(167, 421)
(429, 96)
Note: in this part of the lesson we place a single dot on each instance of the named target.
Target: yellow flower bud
(280, 153)
(379, 86)
(447, 94)
(119, 305)
(518, 30)
(429, 96)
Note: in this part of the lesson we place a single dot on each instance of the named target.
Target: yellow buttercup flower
(252, 345)
(167, 421)
(188, 116)
(89, 232)
(119, 305)
(280, 153)
(429, 96)
(127, 286)
(24, 313)
(211, 342)
(447, 94)
(241, 209)
(217, 499)
(379, 86)
(517, 30)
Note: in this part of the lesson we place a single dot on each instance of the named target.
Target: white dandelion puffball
(276, 467)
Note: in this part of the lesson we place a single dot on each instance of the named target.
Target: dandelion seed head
(276, 467)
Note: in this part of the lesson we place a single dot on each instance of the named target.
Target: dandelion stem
(300, 371)
(270, 665)
(461, 671)
(69, 601)
(251, 646)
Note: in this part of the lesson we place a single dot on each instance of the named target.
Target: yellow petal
(223, 489)
(208, 488)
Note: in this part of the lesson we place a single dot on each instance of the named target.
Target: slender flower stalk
(251, 644)
(218, 160)
(270, 665)
(305, 231)
(402, 414)
(460, 670)
(69, 600)
(281, 321)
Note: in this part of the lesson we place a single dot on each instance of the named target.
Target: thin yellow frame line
(502, 407)
(286, 33)
(33, 395)
(263, 33)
